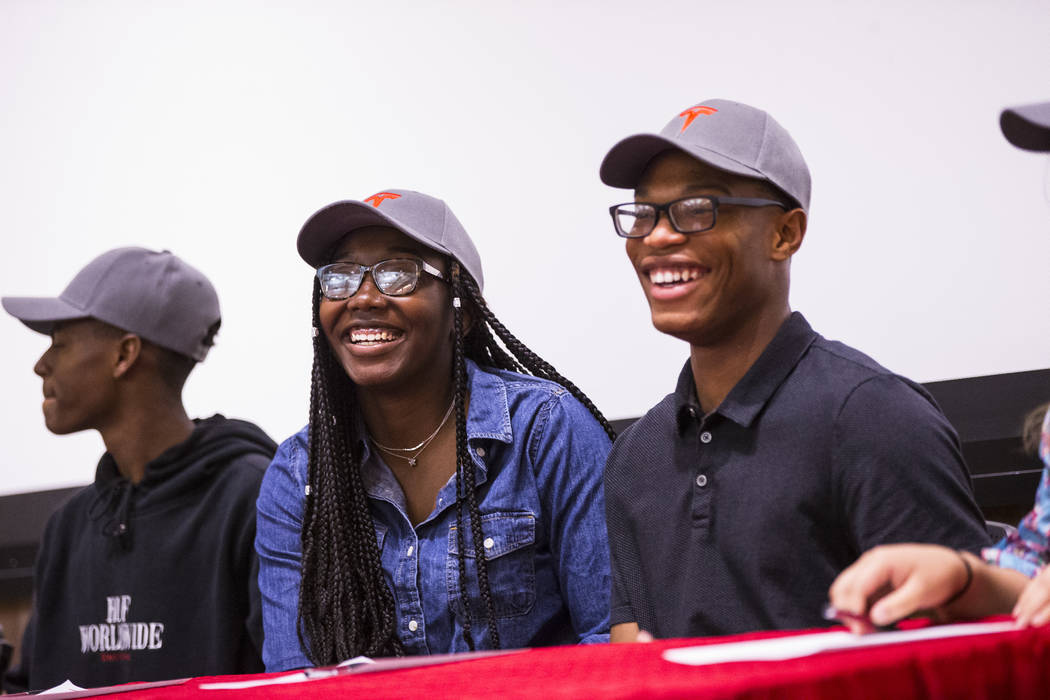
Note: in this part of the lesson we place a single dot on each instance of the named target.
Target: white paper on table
(359, 664)
(310, 674)
(799, 645)
(68, 689)
(65, 687)
(297, 677)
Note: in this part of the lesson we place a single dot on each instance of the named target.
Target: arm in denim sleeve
(568, 449)
(1028, 550)
(277, 542)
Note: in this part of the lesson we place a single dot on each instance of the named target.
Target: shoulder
(528, 397)
(834, 371)
(291, 463)
(72, 513)
(658, 425)
(296, 444)
(541, 415)
(651, 435)
(518, 387)
(242, 448)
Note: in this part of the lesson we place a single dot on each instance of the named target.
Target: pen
(833, 613)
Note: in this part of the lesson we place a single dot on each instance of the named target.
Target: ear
(468, 318)
(466, 312)
(128, 353)
(790, 229)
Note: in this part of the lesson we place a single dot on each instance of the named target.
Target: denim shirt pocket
(509, 545)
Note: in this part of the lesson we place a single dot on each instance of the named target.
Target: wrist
(967, 582)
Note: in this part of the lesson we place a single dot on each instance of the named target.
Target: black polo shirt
(740, 520)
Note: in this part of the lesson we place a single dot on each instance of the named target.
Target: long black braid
(345, 607)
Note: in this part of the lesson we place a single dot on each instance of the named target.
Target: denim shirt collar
(488, 418)
(754, 390)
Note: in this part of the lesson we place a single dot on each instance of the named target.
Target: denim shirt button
(480, 451)
(489, 543)
(411, 548)
(413, 625)
(705, 437)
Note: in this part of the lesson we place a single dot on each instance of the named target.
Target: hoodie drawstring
(114, 502)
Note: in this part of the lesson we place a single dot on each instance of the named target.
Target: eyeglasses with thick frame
(395, 277)
(687, 215)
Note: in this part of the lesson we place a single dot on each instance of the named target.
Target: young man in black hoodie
(150, 572)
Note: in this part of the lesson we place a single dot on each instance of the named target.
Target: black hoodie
(155, 580)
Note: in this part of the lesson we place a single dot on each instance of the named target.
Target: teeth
(674, 275)
(372, 335)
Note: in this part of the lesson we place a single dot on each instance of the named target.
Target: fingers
(859, 584)
(891, 582)
(1033, 606)
(910, 597)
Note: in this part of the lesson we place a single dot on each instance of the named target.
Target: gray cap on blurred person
(421, 217)
(154, 295)
(726, 135)
(1028, 126)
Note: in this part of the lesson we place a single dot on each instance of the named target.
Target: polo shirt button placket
(705, 437)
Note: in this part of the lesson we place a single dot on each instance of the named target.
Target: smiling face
(78, 374)
(398, 343)
(706, 287)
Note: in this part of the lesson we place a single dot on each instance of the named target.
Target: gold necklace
(412, 459)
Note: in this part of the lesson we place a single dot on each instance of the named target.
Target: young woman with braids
(438, 460)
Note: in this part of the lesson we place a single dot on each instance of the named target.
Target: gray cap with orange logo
(422, 217)
(726, 135)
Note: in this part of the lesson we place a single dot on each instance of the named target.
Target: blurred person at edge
(148, 573)
(895, 581)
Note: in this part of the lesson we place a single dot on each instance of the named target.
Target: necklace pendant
(411, 461)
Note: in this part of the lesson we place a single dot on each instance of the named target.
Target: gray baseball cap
(154, 295)
(726, 135)
(1027, 126)
(422, 217)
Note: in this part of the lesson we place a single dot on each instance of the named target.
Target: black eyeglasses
(687, 215)
(396, 277)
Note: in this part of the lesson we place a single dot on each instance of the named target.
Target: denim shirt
(1028, 549)
(539, 456)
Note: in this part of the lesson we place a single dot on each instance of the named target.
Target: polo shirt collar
(757, 386)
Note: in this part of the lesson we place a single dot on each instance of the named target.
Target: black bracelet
(966, 586)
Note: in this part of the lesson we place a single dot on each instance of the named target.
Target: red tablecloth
(1014, 664)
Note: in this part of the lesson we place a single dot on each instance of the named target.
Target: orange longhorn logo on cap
(694, 112)
(380, 197)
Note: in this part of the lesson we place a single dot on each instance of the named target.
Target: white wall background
(215, 128)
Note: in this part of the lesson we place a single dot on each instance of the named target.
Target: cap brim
(330, 224)
(1027, 127)
(625, 162)
(41, 313)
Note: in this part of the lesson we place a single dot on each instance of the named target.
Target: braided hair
(345, 607)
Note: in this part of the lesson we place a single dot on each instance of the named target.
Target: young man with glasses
(150, 572)
(780, 456)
